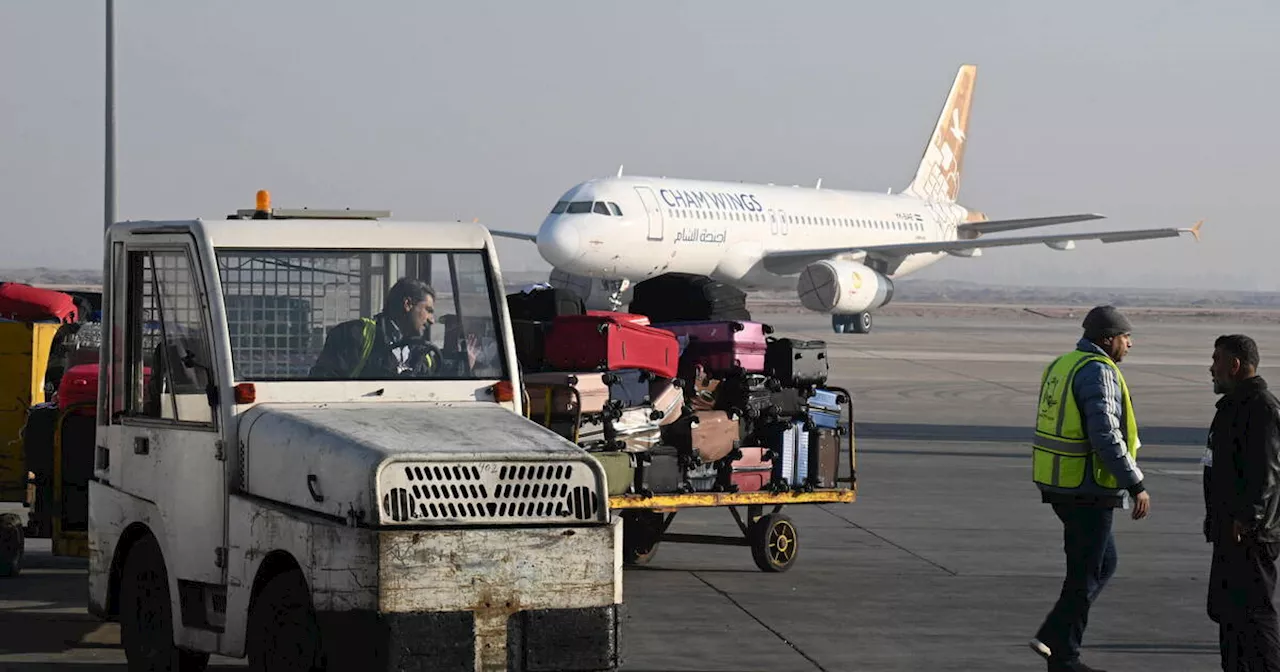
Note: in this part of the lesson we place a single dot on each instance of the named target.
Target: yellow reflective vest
(369, 331)
(1062, 453)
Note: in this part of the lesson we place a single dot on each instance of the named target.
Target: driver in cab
(393, 343)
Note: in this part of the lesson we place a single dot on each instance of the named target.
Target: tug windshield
(296, 315)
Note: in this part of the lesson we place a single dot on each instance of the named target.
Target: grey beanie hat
(1104, 321)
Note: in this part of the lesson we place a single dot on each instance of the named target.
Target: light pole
(109, 184)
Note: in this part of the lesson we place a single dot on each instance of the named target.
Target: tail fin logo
(938, 176)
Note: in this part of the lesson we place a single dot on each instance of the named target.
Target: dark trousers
(1091, 561)
(1242, 583)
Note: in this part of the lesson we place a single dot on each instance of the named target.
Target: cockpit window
(601, 209)
(579, 207)
(613, 207)
(559, 207)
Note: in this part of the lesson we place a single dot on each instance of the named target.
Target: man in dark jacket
(1241, 497)
(1084, 461)
(393, 343)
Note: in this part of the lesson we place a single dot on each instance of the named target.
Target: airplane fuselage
(724, 229)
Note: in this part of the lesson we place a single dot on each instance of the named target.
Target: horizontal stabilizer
(531, 237)
(999, 225)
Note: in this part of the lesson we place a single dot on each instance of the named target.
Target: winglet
(1195, 230)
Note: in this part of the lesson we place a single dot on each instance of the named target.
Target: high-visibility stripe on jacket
(1062, 453)
(368, 333)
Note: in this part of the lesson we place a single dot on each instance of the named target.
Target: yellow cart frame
(72, 543)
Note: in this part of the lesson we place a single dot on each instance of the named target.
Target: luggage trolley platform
(773, 537)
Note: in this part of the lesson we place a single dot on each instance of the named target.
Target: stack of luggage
(684, 394)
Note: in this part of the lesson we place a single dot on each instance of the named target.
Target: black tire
(12, 545)
(774, 542)
(283, 634)
(838, 323)
(146, 615)
(860, 323)
(641, 534)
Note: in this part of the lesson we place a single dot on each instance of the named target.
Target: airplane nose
(559, 242)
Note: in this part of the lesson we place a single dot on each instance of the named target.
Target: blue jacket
(1097, 393)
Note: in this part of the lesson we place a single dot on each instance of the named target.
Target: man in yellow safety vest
(393, 343)
(1084, 463)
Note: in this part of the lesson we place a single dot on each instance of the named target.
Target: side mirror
(210, 389)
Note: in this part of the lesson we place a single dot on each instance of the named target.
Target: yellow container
(24, 358)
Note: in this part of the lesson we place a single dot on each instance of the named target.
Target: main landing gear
(858, 323)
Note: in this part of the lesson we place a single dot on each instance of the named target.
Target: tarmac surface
(946, 561)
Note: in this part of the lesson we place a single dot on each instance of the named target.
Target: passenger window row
(681, 213)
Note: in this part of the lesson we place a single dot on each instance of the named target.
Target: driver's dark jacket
(1244, 482)
(345, 345)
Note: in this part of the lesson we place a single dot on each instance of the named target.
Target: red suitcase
(586, 342)
(80, 384)
(31, 304)
(624, 317)
(721, 347)
(751, 472)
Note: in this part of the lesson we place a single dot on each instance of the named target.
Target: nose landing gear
(615, 289)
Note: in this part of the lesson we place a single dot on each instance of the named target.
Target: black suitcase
(796, 363)
(750, 395)
(531, 339)
(661, 470)
(665, 470)
(544, 304)
(683, 297)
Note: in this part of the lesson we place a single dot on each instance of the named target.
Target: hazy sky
(1153, 113)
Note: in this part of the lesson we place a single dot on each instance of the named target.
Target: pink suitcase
(552, 393)
(751, 472)
(723, 346)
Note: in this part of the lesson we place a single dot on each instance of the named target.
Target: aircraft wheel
(838, 323)
(861, 323)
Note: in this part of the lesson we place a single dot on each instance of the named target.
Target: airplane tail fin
(938, 177)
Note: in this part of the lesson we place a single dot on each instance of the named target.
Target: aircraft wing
(998, 225)
(794, 261)
(518, 235)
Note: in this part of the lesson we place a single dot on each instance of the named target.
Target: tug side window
(165, 327)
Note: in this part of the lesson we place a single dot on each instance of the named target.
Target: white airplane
(839, 250)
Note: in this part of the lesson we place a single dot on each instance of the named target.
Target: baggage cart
(772, 536)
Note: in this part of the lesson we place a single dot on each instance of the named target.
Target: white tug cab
(282, 473)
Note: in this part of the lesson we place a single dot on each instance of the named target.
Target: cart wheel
(774, 542)
(12, 545)
(641, 533)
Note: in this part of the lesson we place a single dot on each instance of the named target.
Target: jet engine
(843, 287)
